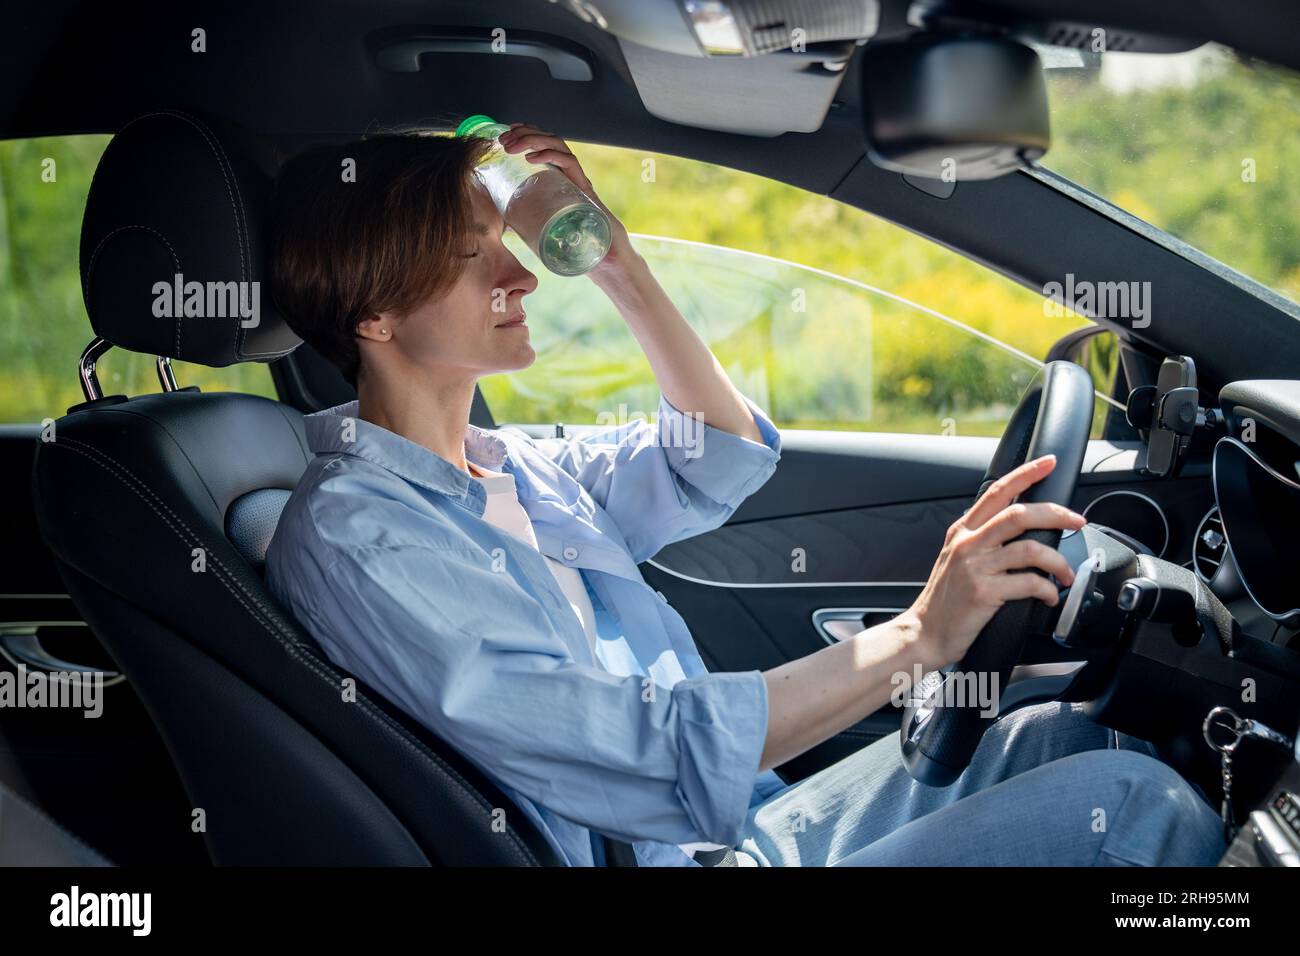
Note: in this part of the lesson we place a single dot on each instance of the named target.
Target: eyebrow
(481, 229)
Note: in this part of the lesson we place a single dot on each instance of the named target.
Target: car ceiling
(81, 67)
(295, 72)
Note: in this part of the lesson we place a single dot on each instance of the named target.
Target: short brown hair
(341, 250)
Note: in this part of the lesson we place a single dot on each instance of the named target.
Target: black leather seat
(158, 510)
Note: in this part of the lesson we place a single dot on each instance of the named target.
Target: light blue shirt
(383, 555)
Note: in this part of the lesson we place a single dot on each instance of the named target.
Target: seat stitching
(307, 455)
(242, 235)
(227, 174)
(223, 164)
(94, 257)
(287, 642)
(8, 794)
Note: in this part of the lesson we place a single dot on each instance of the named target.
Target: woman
(487, 582)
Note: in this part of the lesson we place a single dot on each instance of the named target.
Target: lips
(518, 320)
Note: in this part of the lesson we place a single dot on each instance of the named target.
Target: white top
(504, 510)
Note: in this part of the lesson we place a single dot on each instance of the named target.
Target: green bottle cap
(471, 123)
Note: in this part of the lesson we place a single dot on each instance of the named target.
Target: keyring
(1234, 725)
(1253, 728)
(1239, 727)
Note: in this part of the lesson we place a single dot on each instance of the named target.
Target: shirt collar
(339, 429)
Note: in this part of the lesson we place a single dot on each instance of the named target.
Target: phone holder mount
(1169, 415)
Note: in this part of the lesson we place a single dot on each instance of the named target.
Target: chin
(520, 359)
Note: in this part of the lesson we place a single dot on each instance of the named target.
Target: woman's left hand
(539, 146)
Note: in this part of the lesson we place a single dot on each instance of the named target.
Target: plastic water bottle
(568, 232)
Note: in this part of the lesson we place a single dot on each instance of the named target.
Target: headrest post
(166, 376)
(86, 367)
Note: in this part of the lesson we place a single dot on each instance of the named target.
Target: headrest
(172, 243)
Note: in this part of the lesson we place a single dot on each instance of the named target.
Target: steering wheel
(941, 725)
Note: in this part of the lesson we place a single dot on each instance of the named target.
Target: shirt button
(570, 554)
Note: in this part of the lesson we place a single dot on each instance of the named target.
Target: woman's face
(477, 327)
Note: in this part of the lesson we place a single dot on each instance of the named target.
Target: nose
(518, 278)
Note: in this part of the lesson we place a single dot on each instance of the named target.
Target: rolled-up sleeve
(670, 480)
(472, 654)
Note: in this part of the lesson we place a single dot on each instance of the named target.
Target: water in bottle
(568, 232)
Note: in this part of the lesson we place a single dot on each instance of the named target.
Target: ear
(378, 327)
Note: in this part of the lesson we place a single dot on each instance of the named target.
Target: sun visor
(760, 96)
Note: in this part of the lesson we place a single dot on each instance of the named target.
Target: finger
(1025, 584)
(514, 130)
(1015, 519)
(521, 130)
(1003, 491)
(566, 161)
(1020, 555)
(528, 138)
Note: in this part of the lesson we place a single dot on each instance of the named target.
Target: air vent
(1209, 546)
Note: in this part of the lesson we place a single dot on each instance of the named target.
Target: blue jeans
(1046, 787)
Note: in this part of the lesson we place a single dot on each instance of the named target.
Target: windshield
(1200, 144)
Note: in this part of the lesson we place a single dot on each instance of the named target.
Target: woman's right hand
(982, 567)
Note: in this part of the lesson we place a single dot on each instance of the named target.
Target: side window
(825, 315)
(43, 322)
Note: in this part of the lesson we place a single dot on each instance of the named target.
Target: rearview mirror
(953, 107)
